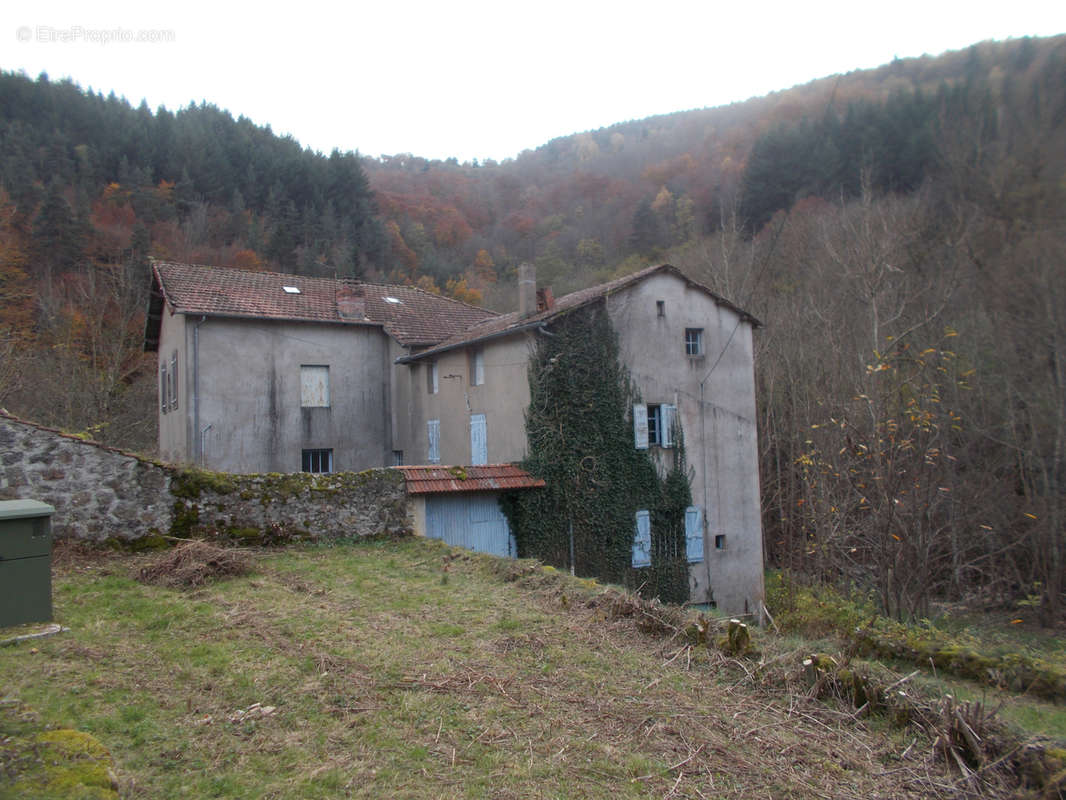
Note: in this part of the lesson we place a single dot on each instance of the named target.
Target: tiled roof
(485, 478)
(413, 316)
(511, 323)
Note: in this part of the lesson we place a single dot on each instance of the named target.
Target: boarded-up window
(642, 540)
(433, 433)
(694, 534)
(314, 386)
(479, 442)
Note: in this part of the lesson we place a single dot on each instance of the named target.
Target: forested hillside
(901, 231)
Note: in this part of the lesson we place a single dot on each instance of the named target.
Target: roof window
(393, 300)
(291, 289)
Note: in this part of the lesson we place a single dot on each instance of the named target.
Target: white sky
(478, 79)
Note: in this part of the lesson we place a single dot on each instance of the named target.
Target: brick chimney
(527, 290)
(545, 299)
(351, 302)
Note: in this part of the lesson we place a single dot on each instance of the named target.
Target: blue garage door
(473, 521)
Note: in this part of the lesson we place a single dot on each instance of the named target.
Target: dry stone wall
(105, 495)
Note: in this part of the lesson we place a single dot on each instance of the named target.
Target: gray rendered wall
(718, 422)
(250, 417)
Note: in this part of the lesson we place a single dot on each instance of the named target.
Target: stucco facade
(240, 407)
(713, 391)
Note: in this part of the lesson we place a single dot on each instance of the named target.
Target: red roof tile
(485, 478)
(412, 316)
(512, 323)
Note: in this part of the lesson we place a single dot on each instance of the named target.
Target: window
(660, 308)
(653, 424)
(642, 541)
(317, 461)
(433, 434)
(397, 458)
(694, 534)
(432, 378)
(173, 380)
(694, 341)
(719, 542)
(479, 442)
(314, 386)
(164, 391)
(477, 366)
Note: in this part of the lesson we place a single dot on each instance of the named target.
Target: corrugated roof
(412, 316)
(512, 323)
(484, 478)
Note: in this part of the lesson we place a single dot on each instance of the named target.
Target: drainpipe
(203, 437)
(196, 390)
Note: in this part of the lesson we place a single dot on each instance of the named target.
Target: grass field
(406, 669)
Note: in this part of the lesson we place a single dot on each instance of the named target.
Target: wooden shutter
(667, 417)
(640, 426)
(479, 443)
(433, 432)
(642, 540)
(694, 534)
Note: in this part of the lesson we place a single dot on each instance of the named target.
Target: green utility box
(25, 562)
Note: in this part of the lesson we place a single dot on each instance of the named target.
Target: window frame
(432, 378)
(693, 342)
(173, 381)
(477, 366)
(661, 420)
(311, 457)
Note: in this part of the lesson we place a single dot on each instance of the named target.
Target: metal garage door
(471, 520)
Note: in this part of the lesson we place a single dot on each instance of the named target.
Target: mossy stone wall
(105, 495)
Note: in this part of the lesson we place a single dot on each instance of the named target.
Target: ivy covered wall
(579, 429)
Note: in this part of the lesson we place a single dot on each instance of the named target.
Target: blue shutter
(667, 417)
(433, 432)
(479, 443)
(642, 540)
(694, 534)
(640, 426)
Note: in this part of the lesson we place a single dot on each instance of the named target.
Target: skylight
(392, 300)
(291, 289)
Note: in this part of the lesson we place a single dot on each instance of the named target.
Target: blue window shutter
(640, 426)
(479, 443)
(694, 534)
(668, 415)
(433, 432)
(642, 540)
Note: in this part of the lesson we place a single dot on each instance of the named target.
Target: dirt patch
(194, 564)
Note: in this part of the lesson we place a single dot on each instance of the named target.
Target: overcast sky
(475, 79)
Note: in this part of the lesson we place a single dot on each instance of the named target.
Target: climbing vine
(580, 432)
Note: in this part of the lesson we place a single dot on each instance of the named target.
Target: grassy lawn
(405, 669)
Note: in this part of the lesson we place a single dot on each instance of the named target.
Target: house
(265, 372)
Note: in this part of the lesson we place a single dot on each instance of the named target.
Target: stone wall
(102, 494)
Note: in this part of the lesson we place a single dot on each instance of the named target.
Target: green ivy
(579, 429)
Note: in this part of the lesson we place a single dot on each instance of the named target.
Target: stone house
(288, 373)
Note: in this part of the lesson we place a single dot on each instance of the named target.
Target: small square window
(397, 458)
(694, 341)
(317, 460)
(719, 541)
